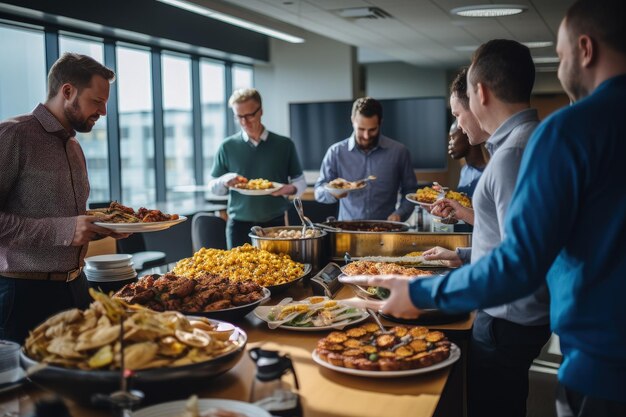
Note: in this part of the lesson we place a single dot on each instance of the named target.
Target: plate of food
(311, 314)
(371, 267)
(170, 353)
(194, 407)
(400, 351)
(427, 196)
(340, 185)
(256, 187)
(206, 295)
(123, 219)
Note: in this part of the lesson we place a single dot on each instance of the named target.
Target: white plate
(269, 191)
(262, 312)
(109, 261)
(176, 408)
(106, 271)
(91, 278)
(141, 227)
(455, 354)
(343, 190)
(419, 203)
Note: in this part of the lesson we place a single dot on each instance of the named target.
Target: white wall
(319, 69)
(400, 80)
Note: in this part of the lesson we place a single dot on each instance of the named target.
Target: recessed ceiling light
(546, 60)
(472, 48)
(235, 21)
(489, 10)
(538, 44)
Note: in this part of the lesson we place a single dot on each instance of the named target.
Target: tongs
(306, 222)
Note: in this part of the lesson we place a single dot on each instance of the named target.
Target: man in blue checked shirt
(368, 152)
(566, 221)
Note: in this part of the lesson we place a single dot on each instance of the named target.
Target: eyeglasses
(247, 117)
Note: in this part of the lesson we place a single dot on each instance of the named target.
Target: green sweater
(274, 159)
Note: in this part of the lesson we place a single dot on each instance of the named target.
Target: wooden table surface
(323, 392)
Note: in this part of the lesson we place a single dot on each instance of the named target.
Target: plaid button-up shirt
(43, 187)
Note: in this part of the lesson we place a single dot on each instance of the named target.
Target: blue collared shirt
(567, 218)
(389, 161)
(491, 202)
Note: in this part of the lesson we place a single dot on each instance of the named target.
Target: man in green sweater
(253, 153)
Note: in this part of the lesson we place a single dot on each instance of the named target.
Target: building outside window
(94, 143)
(136, 122)
(177, 119)
(212, 96)
(23, 76)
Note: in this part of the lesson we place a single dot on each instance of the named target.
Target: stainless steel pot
(364, 226)
(309, 250)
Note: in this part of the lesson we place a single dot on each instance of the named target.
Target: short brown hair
(506, 68)
(244, 94)
(77, 70)
(601, 20)
(458, 88)
(368, 107)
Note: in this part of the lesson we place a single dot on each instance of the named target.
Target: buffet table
(323, 391)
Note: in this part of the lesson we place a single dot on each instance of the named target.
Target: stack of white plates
(109, 268)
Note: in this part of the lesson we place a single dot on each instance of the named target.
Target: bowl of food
(169, 354)
(270, 270)
(288, 240)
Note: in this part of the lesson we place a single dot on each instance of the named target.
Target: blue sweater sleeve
(538, 223)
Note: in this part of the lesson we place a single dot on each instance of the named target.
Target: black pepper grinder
(270, 390)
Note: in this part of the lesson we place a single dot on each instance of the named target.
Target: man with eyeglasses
(252, 153)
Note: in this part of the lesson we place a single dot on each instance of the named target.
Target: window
(213, 112)
(136, 118)
(94, 143)
(23, 71)
(242, 77)
(23, 85)
(177, 120)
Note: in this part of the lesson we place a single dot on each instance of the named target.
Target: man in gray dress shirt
(368, 152)
(505, 339)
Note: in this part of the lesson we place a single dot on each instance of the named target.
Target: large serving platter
(268, 191)
(455, 354)
(276, 289)
(141, 227)
(156, 383)
(177, 408)
(264, 311)
(233, 313)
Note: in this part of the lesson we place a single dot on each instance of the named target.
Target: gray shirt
(491, 201)
(389, 161)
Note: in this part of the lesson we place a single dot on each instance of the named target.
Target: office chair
(208, 231)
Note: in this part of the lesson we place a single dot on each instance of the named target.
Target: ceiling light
(489, 10)
(531, 45)
(546, 60)
(538, 44)
(235, 21)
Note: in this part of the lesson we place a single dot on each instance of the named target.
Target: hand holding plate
(398, 304)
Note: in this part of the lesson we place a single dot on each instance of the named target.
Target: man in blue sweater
(566, 221)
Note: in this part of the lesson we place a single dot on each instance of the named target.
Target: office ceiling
(418, 32)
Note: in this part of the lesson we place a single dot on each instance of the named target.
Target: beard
(572, 80)
(76, 119)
